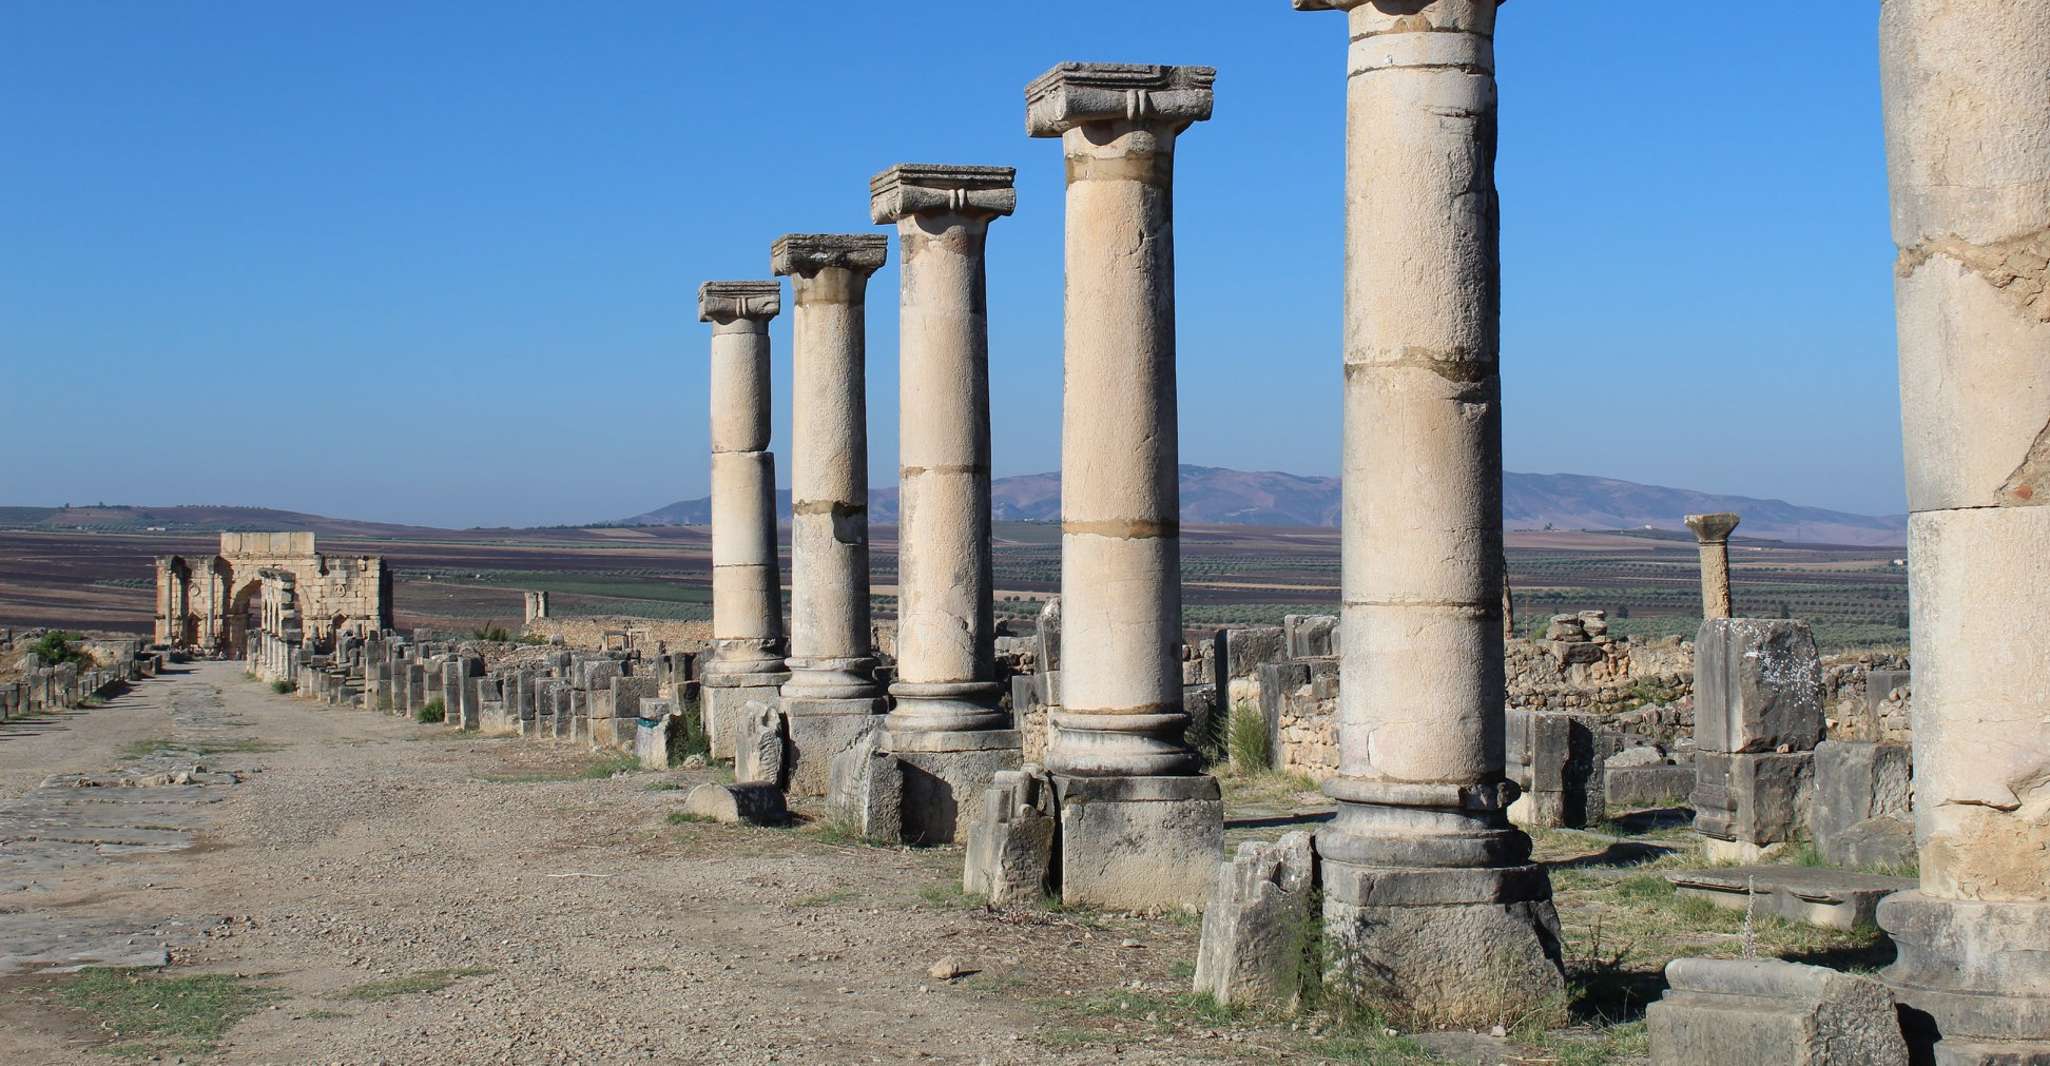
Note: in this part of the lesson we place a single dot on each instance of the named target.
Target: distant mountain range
(1217, 496)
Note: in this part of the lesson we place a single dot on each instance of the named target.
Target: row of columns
(1426, 885)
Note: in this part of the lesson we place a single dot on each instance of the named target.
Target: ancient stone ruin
(205, 604)
(1067, 765)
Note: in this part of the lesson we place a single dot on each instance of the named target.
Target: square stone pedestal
(724, 706)
(945, 776)
(1139, 843)
(1448, 947)
(819, 729)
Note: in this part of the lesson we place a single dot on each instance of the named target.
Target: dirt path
(577, 924)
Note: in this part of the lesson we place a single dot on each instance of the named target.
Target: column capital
(1712, 528)
(1449, 14)
(1073, 94)
(805, 254)
(915, 188)
(731, 301)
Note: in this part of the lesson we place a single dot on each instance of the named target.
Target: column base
(1138, 843)
(1434, 915)
(724, 700)
(945, 777)
(817, 730)
(947, 707)
(1429, 949)
(1972, 979)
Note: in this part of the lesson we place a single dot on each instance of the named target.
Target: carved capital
(1074, 94)
(1712, 528)
(912, 188)
(805, 254)
(732, 301)
(1420, 14)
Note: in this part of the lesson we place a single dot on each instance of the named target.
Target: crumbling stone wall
(621, 633)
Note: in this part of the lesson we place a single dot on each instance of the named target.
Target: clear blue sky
(437, 262)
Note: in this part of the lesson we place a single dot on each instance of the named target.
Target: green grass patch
(281, 686)
(411, 984)
(143, 749)
(827, 899)
(151, 1014)
(1252, 750)
(435, 711)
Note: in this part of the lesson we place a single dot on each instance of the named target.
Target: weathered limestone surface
(1856, 784)
(1011, 843)
(1832, 899)
(832, 692)
(747, 803)
(204, 603)
(1712, 533)
(1151, 829)
(747, 603)
(947, 726)
(1968, 157)
(1757, 686)
(1435, 914)
(1258, 923)
(1764, 1012)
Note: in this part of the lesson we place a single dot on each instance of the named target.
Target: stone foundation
(819, 729)
(1138, 843)
(945, 776)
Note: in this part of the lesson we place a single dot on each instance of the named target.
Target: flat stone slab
(1832, 899)
(33, 942)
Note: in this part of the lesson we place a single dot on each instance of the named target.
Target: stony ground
(335, 886)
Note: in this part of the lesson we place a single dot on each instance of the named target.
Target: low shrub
(435, 711)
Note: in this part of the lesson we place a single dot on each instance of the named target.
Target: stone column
(1141, 827)
(1968, 159)
(1433, 910)
(1712, 532)
(832, 696)
(947, 722)
(747, 598)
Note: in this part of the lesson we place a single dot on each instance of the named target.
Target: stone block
(1555, 759)
(1757, 686)
(1855, 783)
(1011, 842)
(1310, 636)
(761, 756)
(1247, 648)
(1753, 799)
(651, 734)
(752, 803)
(594, 675)
(725, 709)
(1138, 843)
(1886, 843)
(1765, 1012)
(945, 776)
(866, 787)
(1257, 924)
(1626, 788)
(819, 729)
(1829, 899)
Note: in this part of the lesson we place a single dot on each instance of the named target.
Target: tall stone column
(1712, 532)
(1968, 159)
(947, 725)
(1434, 911)
(1141, 827)
(832, 696)
(747, 599)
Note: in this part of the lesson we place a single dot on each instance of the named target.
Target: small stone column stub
(747, 600)
(1433, 912)
(1712, 532)
(1967, 121)
(832, 665)
(1140, 826)
(947, 725)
